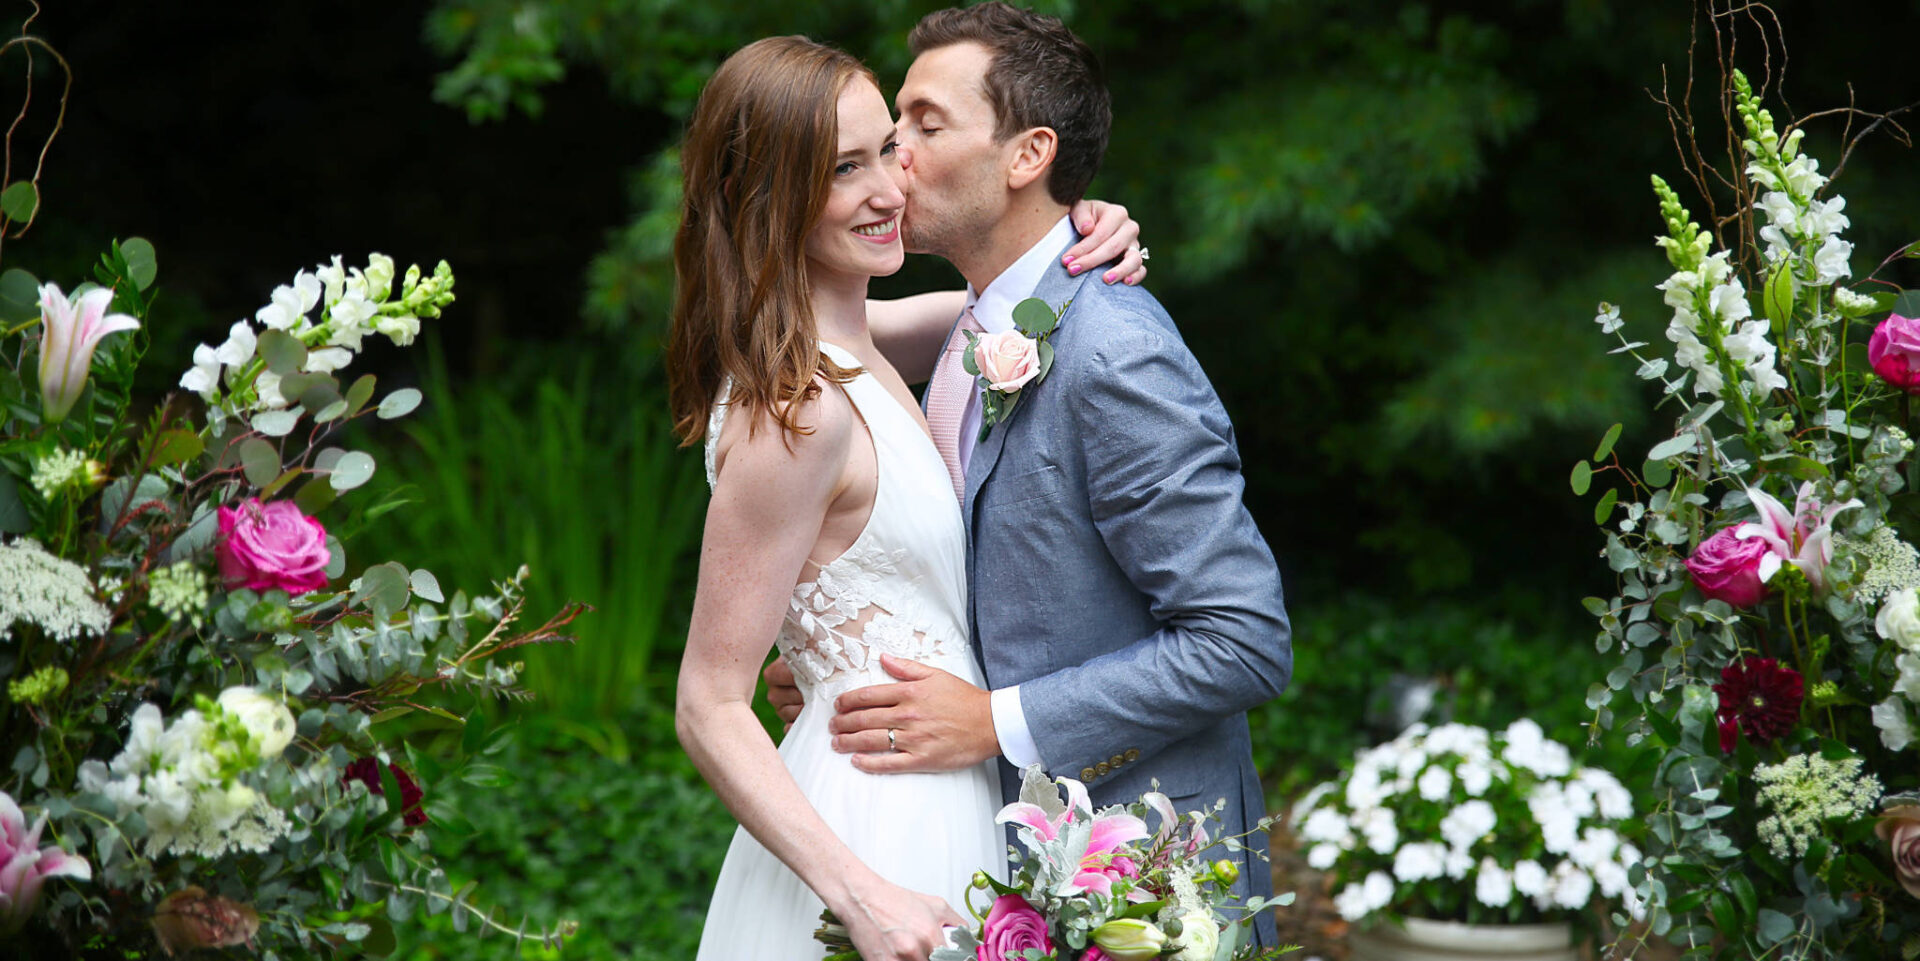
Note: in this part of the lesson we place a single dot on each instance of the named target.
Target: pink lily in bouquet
(1104, 860)
(25, 866)
(1802, 537)
(69, 333)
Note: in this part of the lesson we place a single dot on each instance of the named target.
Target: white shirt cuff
(1010, 726)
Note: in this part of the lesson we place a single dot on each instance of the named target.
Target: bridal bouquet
(194, 688)
(1099, 886)
(1457, 823)
(1767, 622)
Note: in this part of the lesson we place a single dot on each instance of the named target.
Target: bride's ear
(1033, 153)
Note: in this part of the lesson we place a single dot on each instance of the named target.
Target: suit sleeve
(1165, 488)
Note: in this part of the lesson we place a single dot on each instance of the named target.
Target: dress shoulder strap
(716, 420)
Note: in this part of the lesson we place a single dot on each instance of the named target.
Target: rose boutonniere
(1006, 362)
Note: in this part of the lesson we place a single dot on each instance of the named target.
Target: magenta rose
(264, 546)
(1894, 352)
(1013, 926)
(1094, 954)
(1727, 568)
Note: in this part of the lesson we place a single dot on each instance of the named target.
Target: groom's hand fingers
(782, 692)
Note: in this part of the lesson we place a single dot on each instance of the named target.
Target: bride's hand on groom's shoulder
(1107, 232)
(938, 722)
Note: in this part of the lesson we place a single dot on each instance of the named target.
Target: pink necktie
(947, 397)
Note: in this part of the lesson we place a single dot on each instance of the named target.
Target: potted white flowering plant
(1766, 621)
(1454, 837)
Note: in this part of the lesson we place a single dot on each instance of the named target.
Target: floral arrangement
(1100, 886)
(1456, 823)
(1766, 621)
(195, 687)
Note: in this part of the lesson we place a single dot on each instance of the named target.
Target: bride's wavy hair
(756, 166)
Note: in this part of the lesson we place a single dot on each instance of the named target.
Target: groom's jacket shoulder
(1120, 331)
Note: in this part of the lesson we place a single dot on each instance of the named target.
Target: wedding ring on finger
(1144, 256)
(891, 745)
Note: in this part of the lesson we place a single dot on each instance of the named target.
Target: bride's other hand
(1107, 233)
(782, 692)
(887, 922)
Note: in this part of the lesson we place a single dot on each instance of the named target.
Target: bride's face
(859, 232)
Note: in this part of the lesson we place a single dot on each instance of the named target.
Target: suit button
(1116, 760)
(1133, 754)
(1102, 768)
(1086, 774)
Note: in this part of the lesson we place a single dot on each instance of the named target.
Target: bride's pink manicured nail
(1108, 277)
(1075, 270)
(1068, 260)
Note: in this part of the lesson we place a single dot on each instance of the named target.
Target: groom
(1126, 610)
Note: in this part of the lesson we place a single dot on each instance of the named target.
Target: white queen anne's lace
(40, 589)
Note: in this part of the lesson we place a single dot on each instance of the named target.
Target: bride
(833, 526)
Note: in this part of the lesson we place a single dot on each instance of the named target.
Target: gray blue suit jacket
(1116, 575)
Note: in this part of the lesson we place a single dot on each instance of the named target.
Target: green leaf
(19, 297)
(260, 461)
(1606, 443)
(177, 447)
(280, 482)
(276, 423)
(14, 518)
(353, 469)
(1774, 927)
(1776, 300)
(359, 394)
(331, 412)
(380, 941)
(142, 267)
(1725, 918)
(19, 201)
(314, 496)
(1582, 478)
(284, 353)
(399, 403)
(1673, 446)
(427, 586)
(1033, 317)
(966, 355)
(1664, 728)
(1046, 361)
(384, 586)
(1908, 303)
(1656, 473)
(1744, 896)
(1604, 509)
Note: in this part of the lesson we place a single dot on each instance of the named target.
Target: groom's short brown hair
(1041, 75)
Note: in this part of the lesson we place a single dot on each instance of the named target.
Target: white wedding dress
(901, 589)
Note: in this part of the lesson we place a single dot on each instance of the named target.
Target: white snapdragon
(290, 304)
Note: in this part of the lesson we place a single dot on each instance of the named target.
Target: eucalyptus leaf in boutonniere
(1007, 361)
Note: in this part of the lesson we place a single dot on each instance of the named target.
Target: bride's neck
(840, 310)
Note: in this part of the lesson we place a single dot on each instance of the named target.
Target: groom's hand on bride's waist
(939, 722)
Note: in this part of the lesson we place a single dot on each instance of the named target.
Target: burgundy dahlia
(1760, 697)
(367, 771)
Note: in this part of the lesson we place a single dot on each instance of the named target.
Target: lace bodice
(900, 588)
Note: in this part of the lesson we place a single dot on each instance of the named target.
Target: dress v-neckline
(919, 422)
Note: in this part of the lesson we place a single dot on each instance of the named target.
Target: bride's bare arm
(768, 506)
(910, 331)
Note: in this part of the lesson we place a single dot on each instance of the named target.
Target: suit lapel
(1057, 288)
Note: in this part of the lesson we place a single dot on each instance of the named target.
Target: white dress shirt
(993, 310)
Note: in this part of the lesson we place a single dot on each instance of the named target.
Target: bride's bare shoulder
(756, 447)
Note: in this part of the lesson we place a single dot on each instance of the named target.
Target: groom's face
(955, 172)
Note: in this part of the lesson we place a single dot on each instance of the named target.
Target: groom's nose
(905, 153)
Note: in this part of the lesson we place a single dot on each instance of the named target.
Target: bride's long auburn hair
(756, 166)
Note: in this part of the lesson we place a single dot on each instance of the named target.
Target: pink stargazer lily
(1035, 817)
(1802, 537)
(69, 332)
(1101, 866)
(24, 866)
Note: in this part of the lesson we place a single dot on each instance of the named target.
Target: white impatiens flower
(1530, 879)
(1568, 887)
(1326, 825)
(1475, 776)
(1527, 747)
(1466, 825)
(291, 304)
(1435, 783)
(39, 589)
(1610, 796)
(1377, 826)
(1420, 861)
(1360, 899)
(1596, 847)
(1320, 857)
(1492, 884)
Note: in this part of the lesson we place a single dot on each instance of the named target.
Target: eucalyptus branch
(26, 42)
(553, 939)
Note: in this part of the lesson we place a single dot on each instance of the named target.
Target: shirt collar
(993, 307)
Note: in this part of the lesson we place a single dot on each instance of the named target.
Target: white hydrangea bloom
(47, 592)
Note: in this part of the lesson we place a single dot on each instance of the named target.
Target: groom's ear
(1033, 153)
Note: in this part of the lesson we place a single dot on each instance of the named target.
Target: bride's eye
(887, 151)
(844, 169)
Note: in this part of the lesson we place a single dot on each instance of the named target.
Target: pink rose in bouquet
(1007, 359)
(267, 546)
(1894, 352)
(1900, 827)
(1726, 567)
(1013, 926)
